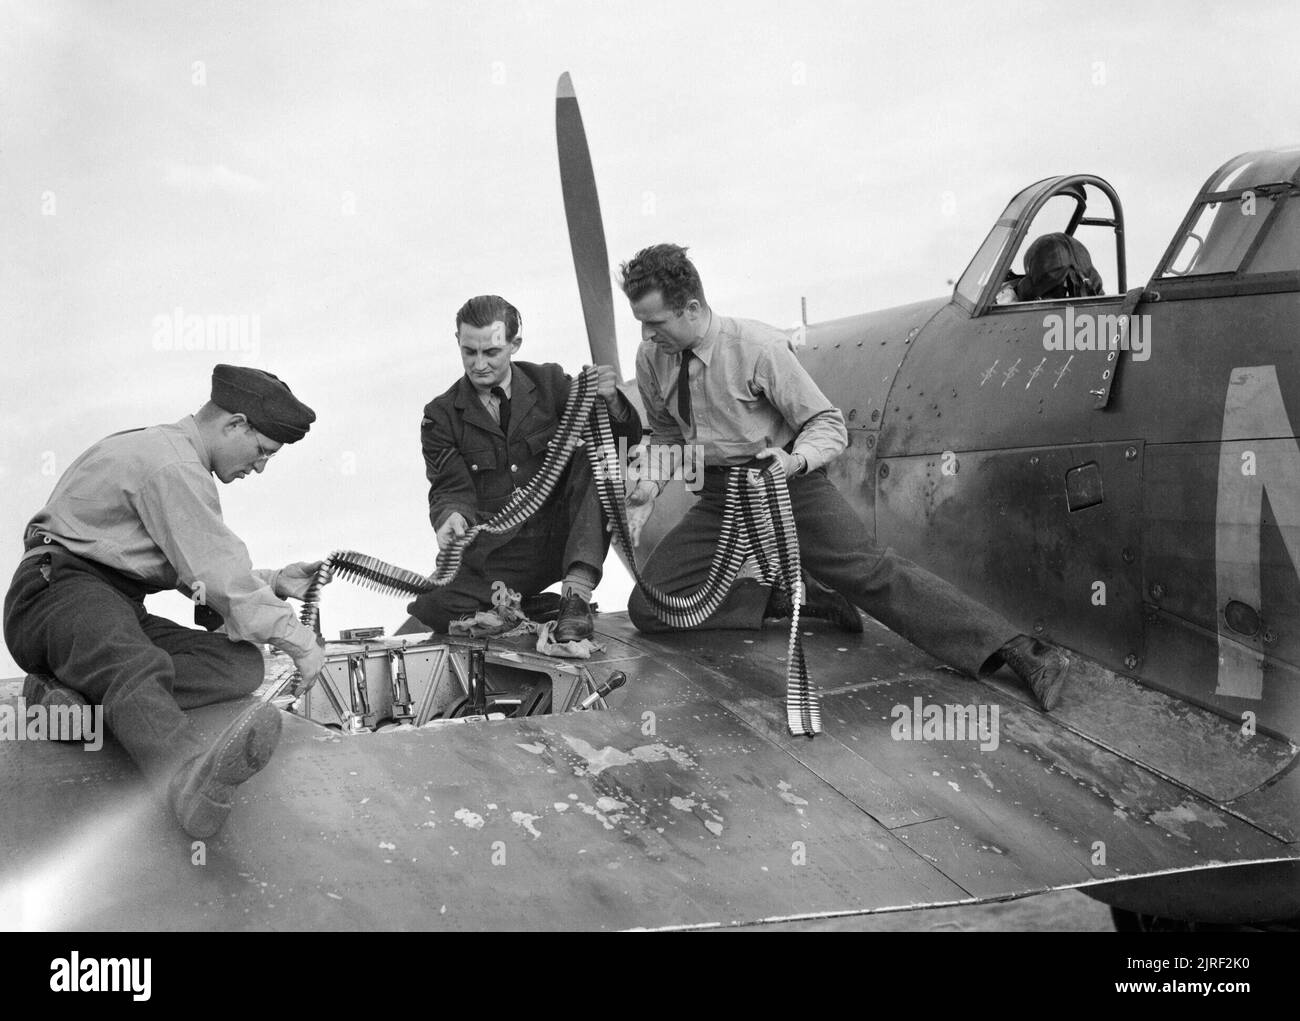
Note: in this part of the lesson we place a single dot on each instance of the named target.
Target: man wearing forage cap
(139, 513)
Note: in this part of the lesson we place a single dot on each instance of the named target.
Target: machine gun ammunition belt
(757, 521)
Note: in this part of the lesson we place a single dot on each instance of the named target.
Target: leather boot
(1039, 665)
(42, 689)
(574, 622)
(202, 791)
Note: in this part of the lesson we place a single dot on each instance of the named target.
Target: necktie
(503, 408)
(684, 387)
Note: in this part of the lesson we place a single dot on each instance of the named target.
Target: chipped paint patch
(526, 821)
(607, 821)
(788, 796)
(712, 820)
(1174, 819)
(599, 760)
(471, 819)
(561, 806)
(954, 786)
(606, 804)
(534, 749)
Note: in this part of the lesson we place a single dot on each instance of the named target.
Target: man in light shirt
(139, 513)
(735, 388)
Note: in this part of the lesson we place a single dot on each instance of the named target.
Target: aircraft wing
(686, 804)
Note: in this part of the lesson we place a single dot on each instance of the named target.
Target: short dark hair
(666, 269)
(487, 309)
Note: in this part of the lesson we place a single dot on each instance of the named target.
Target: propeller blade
(586, 229)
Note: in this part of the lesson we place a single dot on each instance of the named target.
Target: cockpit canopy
(1241, 234)
(1076, 217)
(1242, 221)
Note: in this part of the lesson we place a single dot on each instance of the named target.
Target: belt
(721, 470)
(37, 545)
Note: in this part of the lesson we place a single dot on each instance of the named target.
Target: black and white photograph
(575, 466)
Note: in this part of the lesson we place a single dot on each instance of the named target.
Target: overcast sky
(344, 176)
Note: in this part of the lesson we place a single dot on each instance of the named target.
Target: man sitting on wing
(487, 436)
(735, 387)
(139, 513)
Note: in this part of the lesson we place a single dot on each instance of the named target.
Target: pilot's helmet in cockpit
(1057, 266)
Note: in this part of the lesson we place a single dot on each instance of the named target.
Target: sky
(340, 177)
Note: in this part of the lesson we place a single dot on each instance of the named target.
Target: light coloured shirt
(620, 412)
(491, 401)
(144, 503)
(748, 392)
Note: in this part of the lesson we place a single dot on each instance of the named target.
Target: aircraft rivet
(871, 442)
(875, 415)
(884, 471)
(1127, 554)
(1131, 661)
(1157, 591)
(1269, 636)
(1130, 453)
(1038, 628)
(853, 414)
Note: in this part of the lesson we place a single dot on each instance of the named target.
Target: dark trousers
(568, 530)
(70, 618)
(836, 550)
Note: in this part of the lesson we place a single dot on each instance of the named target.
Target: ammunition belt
(757, 522)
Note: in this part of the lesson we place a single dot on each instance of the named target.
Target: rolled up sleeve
(821, 434)
(178, 506)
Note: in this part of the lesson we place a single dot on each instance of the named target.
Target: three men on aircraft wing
(139, 512)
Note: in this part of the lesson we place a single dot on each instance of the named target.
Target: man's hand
(791, 463)
(310, 666)
(454, 527)
(293, 581)
(640, 504)
(607, 385)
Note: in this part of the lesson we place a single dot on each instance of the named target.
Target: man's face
(670, 331)
(486, 352)
(242, 451)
